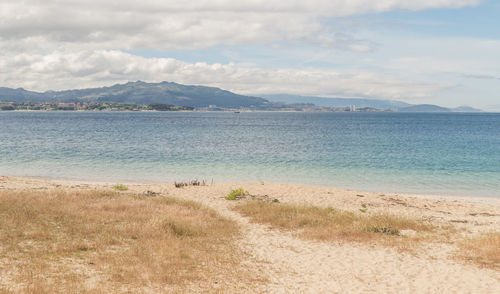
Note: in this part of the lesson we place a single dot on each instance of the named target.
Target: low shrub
(120, 187)
(235, 194)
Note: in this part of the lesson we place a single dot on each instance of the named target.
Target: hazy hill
(435, 108)
(465, 109)
(21, 95)
(363, 103)
(424, 108)
(141, 93)
(336, 102)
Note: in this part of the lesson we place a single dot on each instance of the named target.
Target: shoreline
(493, 200)
(253, 110)
(431, 196)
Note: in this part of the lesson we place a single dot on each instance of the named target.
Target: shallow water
(443, 153)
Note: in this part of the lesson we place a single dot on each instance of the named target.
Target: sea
(427, 153)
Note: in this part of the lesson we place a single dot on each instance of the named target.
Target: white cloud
(480, 76)
(62, 70)
(195, 24)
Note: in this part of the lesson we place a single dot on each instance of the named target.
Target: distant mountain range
(363, 102)
(336, 102)
(141, 93)
(435, 108)
(200, 96)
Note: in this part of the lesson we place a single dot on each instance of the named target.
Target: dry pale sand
(287, 264)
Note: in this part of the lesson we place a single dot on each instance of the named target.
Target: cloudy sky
(443, 52)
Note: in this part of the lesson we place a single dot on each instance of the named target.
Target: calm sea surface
(387, 152)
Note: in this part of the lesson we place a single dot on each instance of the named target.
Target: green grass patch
(235, 194)
(120, 187)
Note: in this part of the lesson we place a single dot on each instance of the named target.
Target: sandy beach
(284, 263)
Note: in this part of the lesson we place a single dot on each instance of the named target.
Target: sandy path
(292, 265)
(297, 266)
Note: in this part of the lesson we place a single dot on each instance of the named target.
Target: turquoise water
(389, 152)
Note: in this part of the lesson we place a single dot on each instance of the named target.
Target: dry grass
(483, 250)
(107, 242)
(328, 224)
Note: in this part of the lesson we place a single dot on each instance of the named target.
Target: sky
(444, 52)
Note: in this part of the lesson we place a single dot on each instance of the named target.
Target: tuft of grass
(181, 229)
(328, 224)
(120, 187)
(107, 242)
(191, 183)
(235, 194)
(385, 230)
(483, 250)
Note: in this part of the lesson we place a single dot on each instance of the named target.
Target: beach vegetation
(484, 250)
(236, 194)
(330, 224)
(150, 193)
(385, 230)
(190, 183)
(120, 187)
(92, 241)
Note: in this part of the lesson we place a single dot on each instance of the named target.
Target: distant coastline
(139, 96)
(115, 106)
(90, 106)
